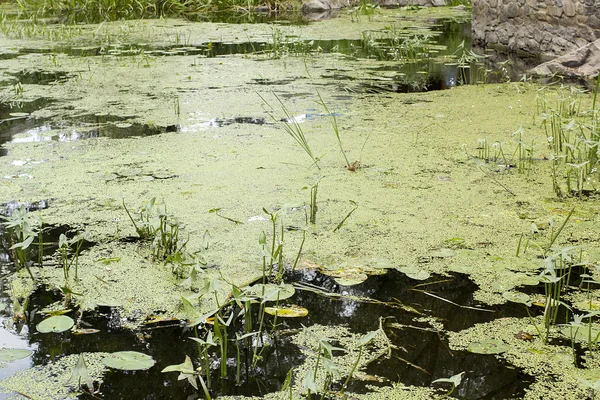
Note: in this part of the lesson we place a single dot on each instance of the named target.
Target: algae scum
(274, 210)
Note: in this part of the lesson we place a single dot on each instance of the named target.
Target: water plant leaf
(454, 379)
(517, 297)
(442, 253)
(81, 374)
(271, 292)
(309, 382)
(351, 279)
(292, 311)
(587, 305)
(186, 370)
(185, 367)
(414, 272)
(488, 346)
(88, 331)
(10, 355)
(56, 324)
(188, 309)
(129, 361)
(363, 341)
(583, 334)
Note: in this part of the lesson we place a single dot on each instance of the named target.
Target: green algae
(53, 381)
(418, 188)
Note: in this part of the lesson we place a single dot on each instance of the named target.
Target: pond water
(331, 157)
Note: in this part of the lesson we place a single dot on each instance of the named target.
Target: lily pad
(583, 334)
(488, 346)
(272, 292)
(414, 272)
(10, 355)
(56, 324)
(442, 253)
(292, 311)
(517, 297)
(351, 279)
(587, 305)
(129, 361)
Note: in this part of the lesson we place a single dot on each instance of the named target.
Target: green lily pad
(517, 297)
(271, 291)
(129, 361)
(56, 324)
(351, 279)
(442, 253)
(583, 334)
(292, 311)
(10, 355)
(488, 346)
(414, 272)
(461, 269)
(588, 305)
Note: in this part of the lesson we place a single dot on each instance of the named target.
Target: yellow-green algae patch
(54, 380)
(422, 197)
(417, 189)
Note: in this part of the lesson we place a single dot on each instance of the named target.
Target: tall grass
(72, 11)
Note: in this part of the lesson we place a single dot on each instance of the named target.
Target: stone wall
(539, 27)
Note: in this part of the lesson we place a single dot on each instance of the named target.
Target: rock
(584, 61)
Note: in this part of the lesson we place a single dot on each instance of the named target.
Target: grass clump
(154, 224)
(95, 11)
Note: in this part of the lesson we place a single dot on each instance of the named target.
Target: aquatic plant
(455, 380)
(313, 201)
(573, 138)
(162, 229)
(23, 228)
(362, 342)
(292, 127)
(347, 215)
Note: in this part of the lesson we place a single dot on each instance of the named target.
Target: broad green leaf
(128, 361)
(351, 279)
(292, 311)
(454, 379)
(442, 253)
(414, 272)
(10, 355)
(55, 324)
(363, 341)
(188, 309)
(81, 374)
(488, 346)
(517, 297)
(309, 382)
(271, 292)
(186, 367)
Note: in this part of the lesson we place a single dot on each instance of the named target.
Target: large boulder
(584, 62)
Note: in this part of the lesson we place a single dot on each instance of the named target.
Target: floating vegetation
(56, 324)
(401, 277)
(129, 361)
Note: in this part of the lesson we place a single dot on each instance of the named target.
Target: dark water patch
(421, 353)
(218, 122)
(40, 77)
(15, 117)
(7, 209)
(431, 297)
(168, 344)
